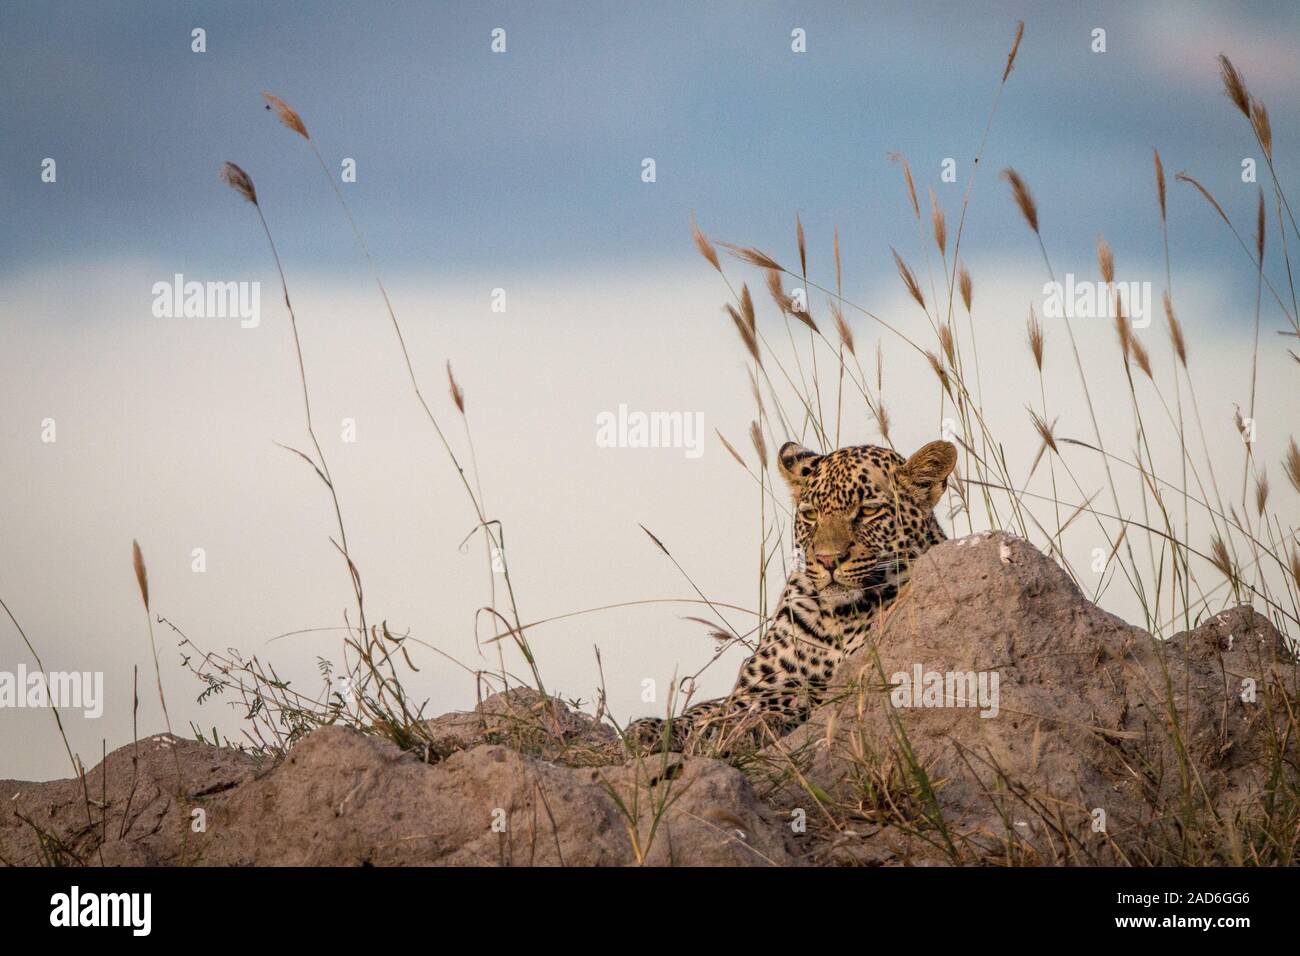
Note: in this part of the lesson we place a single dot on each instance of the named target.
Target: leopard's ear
(796, 463)
(924, 476)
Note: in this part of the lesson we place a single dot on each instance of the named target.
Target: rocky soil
(1100, 736)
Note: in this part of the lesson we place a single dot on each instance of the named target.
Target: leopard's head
(864, 514)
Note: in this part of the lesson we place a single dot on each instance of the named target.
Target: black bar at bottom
(337, 905)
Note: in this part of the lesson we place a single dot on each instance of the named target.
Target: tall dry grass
(1183, 544)
(806, 376)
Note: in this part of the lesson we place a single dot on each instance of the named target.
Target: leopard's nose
(828, 561)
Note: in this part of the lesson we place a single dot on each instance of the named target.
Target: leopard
(862, 516)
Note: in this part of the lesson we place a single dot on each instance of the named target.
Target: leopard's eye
(808, 512)
(869, 512)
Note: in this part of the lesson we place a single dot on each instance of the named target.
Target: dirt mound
(531, 723)
(341, 798)
(1098, 747)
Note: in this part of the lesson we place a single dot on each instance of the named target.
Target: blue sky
(475, 162)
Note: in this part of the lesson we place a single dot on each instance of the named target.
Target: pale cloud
(1181, 45)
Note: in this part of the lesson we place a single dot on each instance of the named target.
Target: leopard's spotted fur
(863, 515)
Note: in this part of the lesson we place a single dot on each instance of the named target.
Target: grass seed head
(1259, 119)
(1175, 331)
(1160, 181)
(842, 327)
(1034, 331)
(947, 343)
(239, 181)
(1105, 260)
(141, 575)
(1183, 177)
(806, 319)
(777, 292)
(839, 272)
(1221, 560)
(1239, 422)
(457, 395)
(753, 256)
(1045, 431)
(706, 248)
(1291, 464)
(1015, 48)
(936, 364)
(803, 245)
(287, 114)
(939, 224)
(731, 448)
(1124, 333)
(907, 177)
(760, 446)
(1024, 199)
(745, 327)
(909, 278)
(1141, 357)
(1234, 85)
(747, 308)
